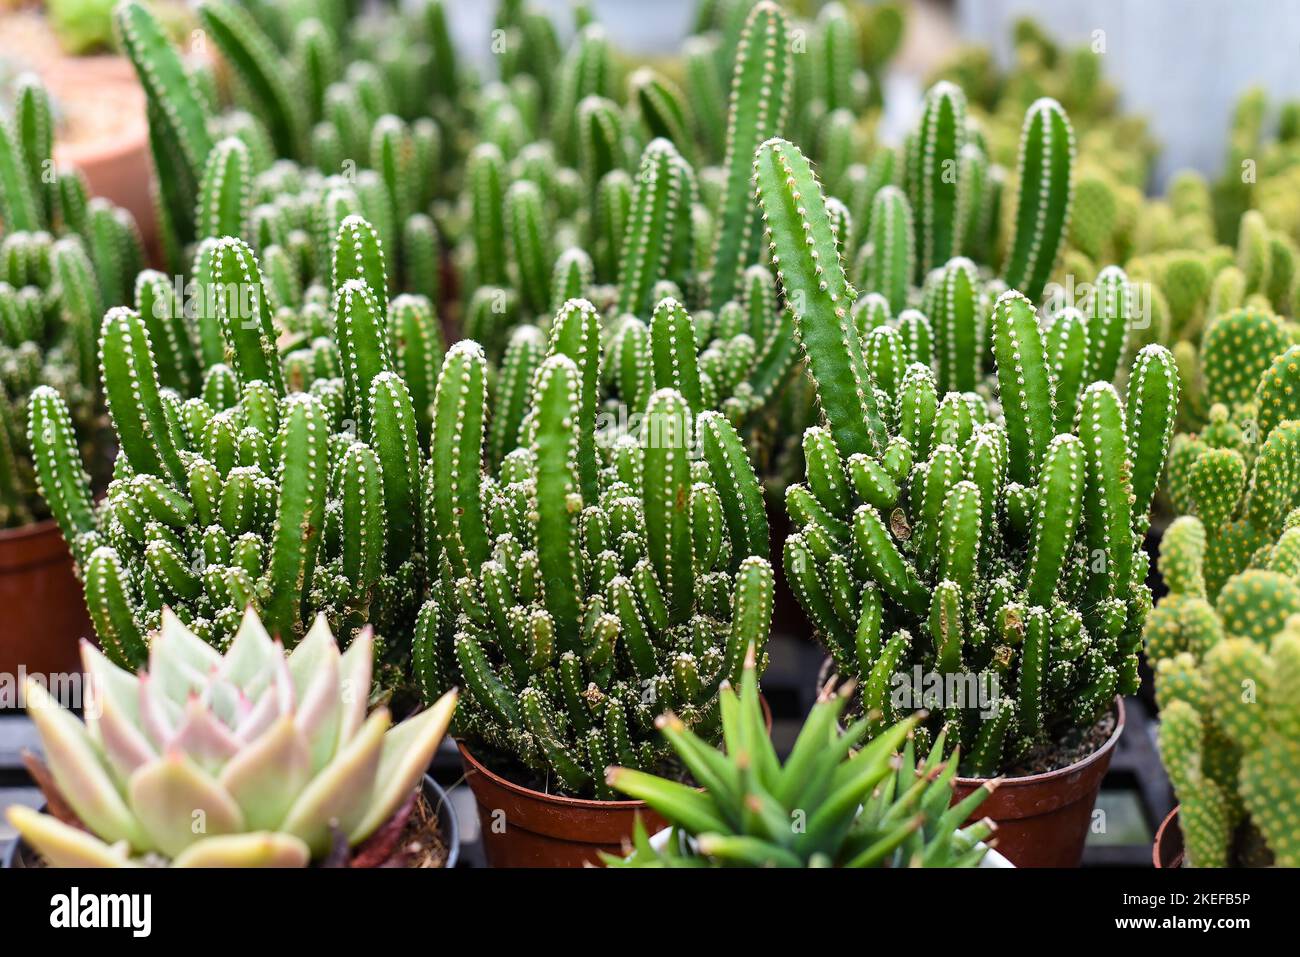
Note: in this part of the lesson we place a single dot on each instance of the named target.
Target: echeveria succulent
(252, 758)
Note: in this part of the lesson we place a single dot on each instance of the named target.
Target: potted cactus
(289, 483)
(273, 753)
(978, 553)
(832, 803)
(63, 258)
(1220, 639)
(584, 590)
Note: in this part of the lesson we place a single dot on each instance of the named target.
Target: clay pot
(1043, 819)
(20, 855)
(526, 828)
(118, 167)
(43, 603)
(1168, 848)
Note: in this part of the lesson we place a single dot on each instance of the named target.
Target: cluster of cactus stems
(1226, 667)
(991, 536)
(64, 258)
(834, 802)
(255, 758)
(291, 483)
(1238, 472)
(1224, 639)
(584, 590)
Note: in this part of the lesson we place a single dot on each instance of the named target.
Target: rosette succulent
(254, 758)
(836, 801)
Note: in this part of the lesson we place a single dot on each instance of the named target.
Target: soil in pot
(1044, 812)
(44, 607)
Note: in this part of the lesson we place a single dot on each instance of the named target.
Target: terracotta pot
(521, 827)
(1168, 848)
(118, 167)
(20, 855)
(1043, 819)
(44, 607)
(526, 828)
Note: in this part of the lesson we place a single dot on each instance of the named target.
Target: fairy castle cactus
(274, 753)
(947, 534)
(1225, 679)
(290, 485)
(64, 258)
(758, 107)
(586, 590)
(887, 808)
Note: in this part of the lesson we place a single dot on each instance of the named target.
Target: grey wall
(1182, 63)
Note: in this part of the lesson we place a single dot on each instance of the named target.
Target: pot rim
(133, 138)
(563, 800)
(1028, 780)
(827, 669)
(20, 533)
(589, 804)
(446, 814)
(1170, 819)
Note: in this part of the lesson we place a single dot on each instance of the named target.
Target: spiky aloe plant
(252, 759)
(582, 596)
(834, 802)
(294, 487)
(973, 541)
(1225, 667)
(63, 259)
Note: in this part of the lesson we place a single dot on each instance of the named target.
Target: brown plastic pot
(526, 828)
(521, 827)
(42, 601)
(1043, 819)
(1168, 849)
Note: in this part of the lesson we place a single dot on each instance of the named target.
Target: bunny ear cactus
(1224, 679)
(574, 617)
(274, 751)
(1237, 474)
(886, 809)
(934, 533)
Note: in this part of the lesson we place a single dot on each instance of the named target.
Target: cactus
(757, 110)
(292, 485)
(576, 614)
(1223, 670)
(992, 550)
(894, 813)
(61, 265)
(1236, 473)
(1043, 198)
(273, 791)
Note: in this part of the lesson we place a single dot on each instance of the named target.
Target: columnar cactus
(573, 615)
(63, 260)
(968, 539)
(292, 486)
(888, 809)
(273, 754)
